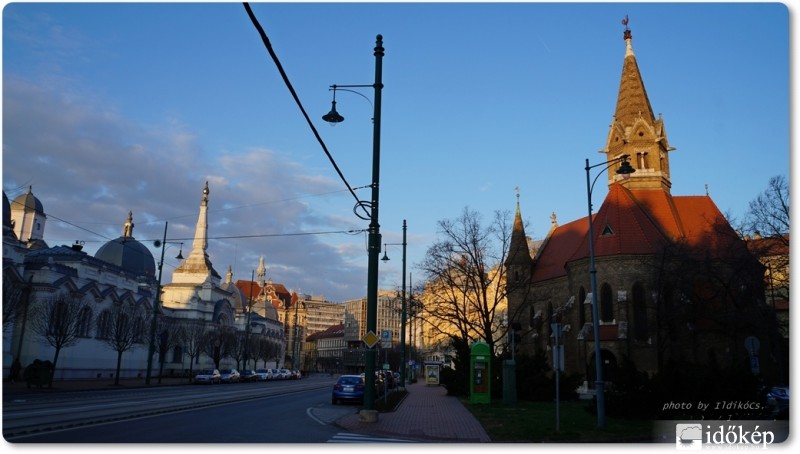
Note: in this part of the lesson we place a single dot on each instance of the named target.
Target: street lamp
(403, 313)
(374, 226)
(625, 169)
(157, 302)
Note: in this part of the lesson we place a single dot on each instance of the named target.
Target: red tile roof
(637, 222)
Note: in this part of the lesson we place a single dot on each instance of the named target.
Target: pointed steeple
(197, 268)
(518, 252)
(636, 131)
(261, 271)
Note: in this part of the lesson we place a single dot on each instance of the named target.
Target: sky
(110, 108)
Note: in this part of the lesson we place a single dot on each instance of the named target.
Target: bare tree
(238, 348)
(466, 290)
(14, 300)
(192, 335)
(768, 213)
(124, 333)
(58, 322)
(169, 337)
(218, 343)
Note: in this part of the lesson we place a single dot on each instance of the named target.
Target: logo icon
(688, 437)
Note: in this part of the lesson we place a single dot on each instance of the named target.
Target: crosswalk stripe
(349, 437)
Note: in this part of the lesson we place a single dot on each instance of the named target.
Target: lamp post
(403, 312)
(625, 169)
(374, 227)
(157, 303)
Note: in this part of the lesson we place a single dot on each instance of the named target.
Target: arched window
(104, 325)
(138, 330)
(639, 313)
(85, 322)
(582, 307)
(606, 304)
(177, 354)
(60, 319)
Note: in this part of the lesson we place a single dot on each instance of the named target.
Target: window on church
(606, 304)
(84, 322)
(177, 354)
(104, 325)
(138, 330)
(640, 330)
(581, 308)
(607, 230)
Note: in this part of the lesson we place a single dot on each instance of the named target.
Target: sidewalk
(427, 414)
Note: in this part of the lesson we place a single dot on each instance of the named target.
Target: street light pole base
(368, 416)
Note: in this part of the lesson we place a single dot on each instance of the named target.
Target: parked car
(296, 374)
(285, 374)
(276, 374)
(209, 376)
(229, 376)
(248, 375)
(264, 374)
(348, 388)
(388, 378)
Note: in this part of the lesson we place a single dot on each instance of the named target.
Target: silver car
(207, 376)
(229, 376)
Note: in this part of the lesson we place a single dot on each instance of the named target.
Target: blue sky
(110, 108)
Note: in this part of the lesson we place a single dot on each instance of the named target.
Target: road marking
(349, 437)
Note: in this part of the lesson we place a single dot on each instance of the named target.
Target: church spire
(636, 131)
(197, 267)
(518, 251)
(261, 271)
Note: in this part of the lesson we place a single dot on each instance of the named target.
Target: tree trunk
(53, 370)
(119, 365)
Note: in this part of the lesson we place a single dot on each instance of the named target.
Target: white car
(264, 374)
(286, 374)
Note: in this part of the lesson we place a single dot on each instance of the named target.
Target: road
(272, 412)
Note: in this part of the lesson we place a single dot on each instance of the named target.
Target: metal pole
(247, 328)
(598, 362)
(156, 303)
(374, 231)
(403, 317)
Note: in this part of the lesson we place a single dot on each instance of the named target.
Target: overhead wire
(288, 83)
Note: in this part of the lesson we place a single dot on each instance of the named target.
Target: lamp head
(385, 255)
(625, 168)
(180, 253)
(333, 116)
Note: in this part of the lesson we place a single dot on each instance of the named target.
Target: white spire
(197, 267)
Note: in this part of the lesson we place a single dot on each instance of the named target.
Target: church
(674, 284)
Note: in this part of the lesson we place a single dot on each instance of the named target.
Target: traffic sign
(386, 338)
(370, 339)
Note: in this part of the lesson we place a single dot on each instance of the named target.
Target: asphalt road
(274, 412)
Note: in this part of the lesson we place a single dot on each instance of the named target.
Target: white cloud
(89, 166)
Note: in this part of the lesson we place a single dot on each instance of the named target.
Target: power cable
(272, 54)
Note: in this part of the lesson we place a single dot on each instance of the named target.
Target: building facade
(121, 274)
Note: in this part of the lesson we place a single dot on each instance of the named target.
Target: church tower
(197, 268)
(519, 261)
(28, 218)
(636, 132)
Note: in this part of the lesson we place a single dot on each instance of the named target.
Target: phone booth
(480, 372)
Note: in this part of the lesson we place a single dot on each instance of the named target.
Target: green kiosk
(480, 373)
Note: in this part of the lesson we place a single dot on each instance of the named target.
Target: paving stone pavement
(426, 414)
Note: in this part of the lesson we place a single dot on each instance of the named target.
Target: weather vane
(625, 22)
